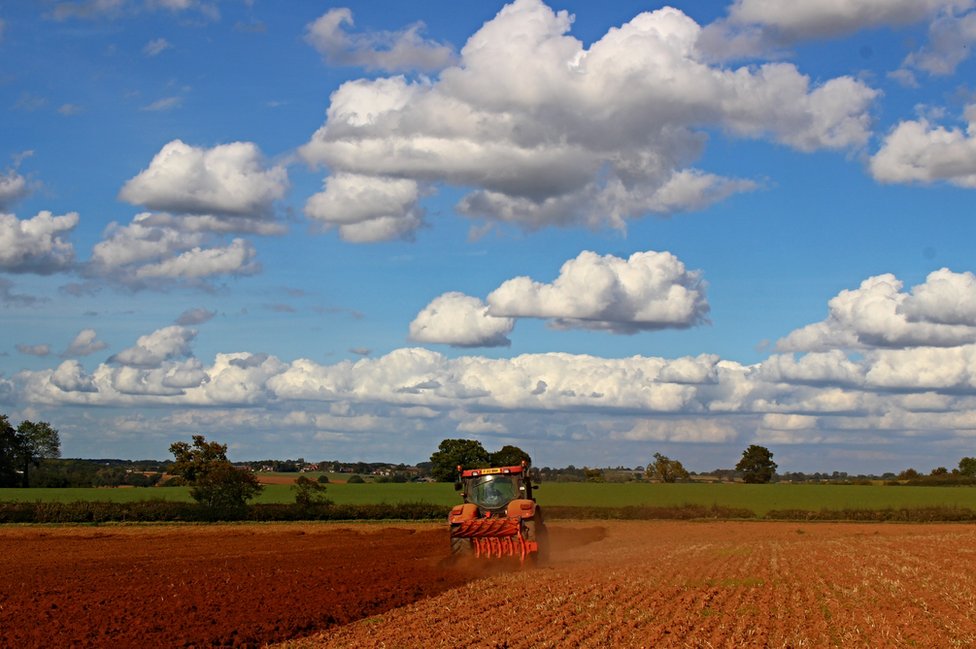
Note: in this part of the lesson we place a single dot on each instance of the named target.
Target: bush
(355, 479)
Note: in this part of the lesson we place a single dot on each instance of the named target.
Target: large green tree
(509, 455)
(756, 465)
(214, 481)
(452, 453)
(967, 467)
(23, 448)
(9, 454)
(38, 441)
(666, 470)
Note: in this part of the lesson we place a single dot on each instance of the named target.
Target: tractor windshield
(492, 491)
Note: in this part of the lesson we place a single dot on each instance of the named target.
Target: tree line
(755, 466)
(30, 456)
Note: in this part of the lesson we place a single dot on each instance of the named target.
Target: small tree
(756, 465)
(666, 470)
(451, 453)
(308, 492)
(215, 482)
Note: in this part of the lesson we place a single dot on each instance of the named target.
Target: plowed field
(205, 586)
(674, 584)
(620, 584)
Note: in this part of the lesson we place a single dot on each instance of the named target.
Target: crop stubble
(613, 584)
(723, 584)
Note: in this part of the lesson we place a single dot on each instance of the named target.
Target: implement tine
(494, 537)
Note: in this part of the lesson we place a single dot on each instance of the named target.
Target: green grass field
(758, 498)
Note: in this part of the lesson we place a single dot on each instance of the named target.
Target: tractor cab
(494, 488)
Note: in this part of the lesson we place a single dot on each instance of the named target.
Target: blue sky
(351, 231)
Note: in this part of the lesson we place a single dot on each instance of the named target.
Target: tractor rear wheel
(535, 530)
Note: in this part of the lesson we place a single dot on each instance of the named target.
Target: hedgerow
(888, 514)
(647, 512)
(169, 511)
(146, 511)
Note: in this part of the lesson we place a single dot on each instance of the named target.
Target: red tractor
(499, 517)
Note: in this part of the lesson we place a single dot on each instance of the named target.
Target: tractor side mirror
(458, 486)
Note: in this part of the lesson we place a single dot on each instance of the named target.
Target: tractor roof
(503, 470)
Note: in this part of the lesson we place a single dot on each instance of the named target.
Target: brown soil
(203, 586)
(608, 584)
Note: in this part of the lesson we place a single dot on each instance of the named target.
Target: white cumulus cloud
(140, 242)
(367, 208)
(832, 367)
(13, 187)
(707, 431)
(950, 42)
(887, 364)
(880, 314)
(156, 249)
(756, 26)
(171, 378)
(36, 245)
(924, 368)
(945, 298)
(390, 51)
(151, 350)
(461, 321)
(868, 397)
(648, 291)
(837, 17)
(70, 377)
(918, 151)
(229, 179)
(237, 258)
(85, 343)
(542, 131)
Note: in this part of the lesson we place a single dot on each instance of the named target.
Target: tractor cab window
(492, 491)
